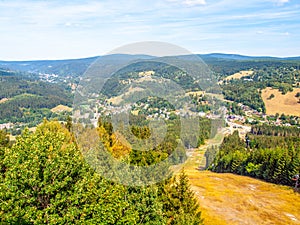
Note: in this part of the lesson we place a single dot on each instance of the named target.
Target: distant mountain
(73, 67)
(77, 67)
(225, 56)
(243, 57)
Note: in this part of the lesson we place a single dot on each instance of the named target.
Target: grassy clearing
(287, 104)
(146, 73)
(61, 108)
(118, 99)
(233, 199)
(195, 93)
(239, 75)
(3, 100)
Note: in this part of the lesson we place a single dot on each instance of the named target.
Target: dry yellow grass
(135, 112)
(118, 99)
(3, 100)
(239, 75)
(232, 199)
(146, 73)
(287, 104)
(12, 138)
(195, 93)
(61, 108)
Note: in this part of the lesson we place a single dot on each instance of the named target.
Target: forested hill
(73, 67)
(22, 96)
(221, 63)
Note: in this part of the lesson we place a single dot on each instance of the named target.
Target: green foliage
(210, 155)
(28, 99)
(275, 74)
(45, 180)
(271, 96)
(161, 70)
(245, 93)
(180, 203)
(275, 130)
(272, 158)
(4, 138)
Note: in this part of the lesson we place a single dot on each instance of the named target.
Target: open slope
(287, 104)
(232, 199)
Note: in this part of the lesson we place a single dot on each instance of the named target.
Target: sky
(54, 29)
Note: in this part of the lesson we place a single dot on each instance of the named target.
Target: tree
(4, 138)
(180, 204)
(210, 155)
(271, 96)
(69, 123)
(47, 181)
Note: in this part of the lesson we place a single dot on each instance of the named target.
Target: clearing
(61, 108)
(239, 75)
(195, 93)
(3, 100)
(287, 104)
(118, 99)
(233, 199)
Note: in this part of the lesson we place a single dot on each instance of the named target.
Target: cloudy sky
(54, 29)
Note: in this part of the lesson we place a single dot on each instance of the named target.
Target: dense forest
(45, 180)
(269, 153)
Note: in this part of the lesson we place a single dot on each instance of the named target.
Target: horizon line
(95, 56)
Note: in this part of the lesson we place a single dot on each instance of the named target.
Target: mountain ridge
(77, 67)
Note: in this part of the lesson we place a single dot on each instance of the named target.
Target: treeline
(274, 159)
(44, 179)
(226, 67)
(275, 131)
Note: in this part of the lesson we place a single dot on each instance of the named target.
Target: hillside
(24, 99)
(287, 104)
(233, 199)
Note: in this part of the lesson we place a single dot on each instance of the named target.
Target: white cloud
(280, 2)
(189, 2)
(194, 2)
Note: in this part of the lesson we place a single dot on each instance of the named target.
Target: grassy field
(232, 199)
(61, 108)
(118, 99)
(239, 75)
(287, 104)
(146, 73)
(3, 100)
(195, 93)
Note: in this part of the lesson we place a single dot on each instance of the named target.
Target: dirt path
(232, 199)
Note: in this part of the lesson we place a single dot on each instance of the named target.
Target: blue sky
(74, 29)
